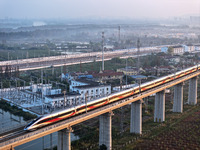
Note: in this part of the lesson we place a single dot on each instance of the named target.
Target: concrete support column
(136, 117)
(11, 148)
(105, 130)
(178, 98)
(159, 111)
(64, 139)
(192, 93)
(51, 141)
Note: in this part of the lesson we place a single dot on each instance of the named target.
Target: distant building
(189, 48)
(88, 89)
(173, 60)
(63, 100)
(164, 49)
(76, 75)
(80, 82)
(101, 76)
(178, 49)
(197, 47)
(90, 92)
(195, 19)
(106, 75)
(45, 89)
(164, 69)
(128, 71)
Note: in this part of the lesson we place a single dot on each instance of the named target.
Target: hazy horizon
(115, 9)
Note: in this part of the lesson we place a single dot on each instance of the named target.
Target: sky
(68, 9)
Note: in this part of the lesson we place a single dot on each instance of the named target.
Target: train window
(33, 121)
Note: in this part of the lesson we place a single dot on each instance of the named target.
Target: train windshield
(33, 121)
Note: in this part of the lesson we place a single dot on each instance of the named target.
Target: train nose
(25, 128)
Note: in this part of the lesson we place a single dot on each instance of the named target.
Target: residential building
(106, 75)
(45, 89)
(189, 48)
(89, 90)
(128, 70)
(63, 100)
(164, 49)
(197, 47)
(178, 50)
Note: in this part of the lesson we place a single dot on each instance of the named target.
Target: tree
(170, 50)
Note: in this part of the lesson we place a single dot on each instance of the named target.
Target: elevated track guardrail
(26, 137)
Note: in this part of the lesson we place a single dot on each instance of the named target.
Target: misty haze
(99, 74)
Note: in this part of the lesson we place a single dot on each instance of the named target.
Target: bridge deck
(29, 136)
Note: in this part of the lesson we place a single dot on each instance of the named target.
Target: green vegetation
(22, 54)
(16, 111)
(153, 60)
(170, 50)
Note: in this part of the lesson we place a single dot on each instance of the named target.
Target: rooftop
(178, 46)
(91, 86)
(87, 81)
(62, 95)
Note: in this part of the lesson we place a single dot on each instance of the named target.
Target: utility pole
(102, 51)
(86, 94)
(64, 99)
(126, 72)
(138, 53)
(122, 119)
(42, 90)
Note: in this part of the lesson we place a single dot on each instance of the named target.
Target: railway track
(11, 134)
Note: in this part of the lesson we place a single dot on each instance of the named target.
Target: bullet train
(70, 112)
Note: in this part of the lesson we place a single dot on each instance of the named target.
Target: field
(182, 133)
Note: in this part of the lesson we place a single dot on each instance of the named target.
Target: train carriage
(70, 112)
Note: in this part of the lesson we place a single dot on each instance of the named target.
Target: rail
(91, 114)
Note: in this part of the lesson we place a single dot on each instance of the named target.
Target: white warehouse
(89, 89)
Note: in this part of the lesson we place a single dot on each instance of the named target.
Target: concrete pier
(51, 141)
(105, 130)
(136, 117)
(159, 111)
(192, 93)
(178, 98)
(64, 139)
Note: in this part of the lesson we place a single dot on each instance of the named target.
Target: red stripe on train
(121, 97)
(54, 120)
(57, 119)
